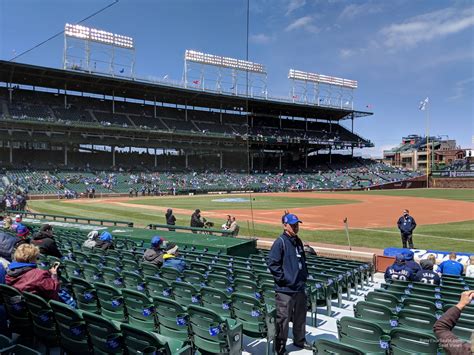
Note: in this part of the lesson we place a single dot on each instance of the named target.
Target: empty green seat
(72, 328)
(376, 313)
(385, 299)
(149, 269)
(134, 281)
(362, 334)
(213, 333)
(104, 334)
(140, 309)
(18, 349)
(85, 295)
(158, 287)
(407, 342)
(325, 346)
(420, 321)
(172, 318)
(216, 300)
(44, 326)
(112, 277)
(185, 294)
(92, 273)
(73, 268)
(170, 274)
(16, 309)
(111, 301)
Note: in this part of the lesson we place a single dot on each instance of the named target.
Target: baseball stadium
(217, 176)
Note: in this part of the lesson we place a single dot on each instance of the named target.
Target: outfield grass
(447, 194)
(451, 236)
(259, 202)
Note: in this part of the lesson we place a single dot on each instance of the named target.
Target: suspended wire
(62, 31)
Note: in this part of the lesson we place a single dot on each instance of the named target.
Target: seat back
(216, 300)
(407, 341)
(158, 287)
(422, 321)
(134, 281)
(42, 316)
(113, 277)
(170, 274)
(16, 308)
(111, 301)
(172, 318)
(385, 299)
(149, 269)
(104, 335)
(185, 294)
(140, 309)
(72, 328)
(362, 334)
(372, 311)
(92, 273)
(326, 346)
(85, 295)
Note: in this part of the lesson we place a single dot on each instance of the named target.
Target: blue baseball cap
(105, 236)
(22, 231)
(408, 254)
(290, 218)
(400, 258)
(156, 241)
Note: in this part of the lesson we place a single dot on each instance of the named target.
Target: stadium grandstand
(92, 157)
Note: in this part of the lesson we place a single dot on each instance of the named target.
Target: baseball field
(445, 217)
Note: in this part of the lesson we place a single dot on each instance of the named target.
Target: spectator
(105, 241)
(426, 274)
(290, 273)
(170, 219)
(451, 266)
(24, 275)
(3, 315)
(443, 327)
(171, 260)
(7, 245)
(432, 257)
(470, 267)
(7, 223)
(233, 227)
(410, 263)
(196, 221)
(91, 240)
(398, 271)
(227, 223)
(154, 255)
(44, 240)
(17, 222)
(406, 225)
(3, 270)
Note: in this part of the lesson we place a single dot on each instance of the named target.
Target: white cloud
(346, 52)
(294, 5)
(354, 10)
(260, 38)
(460, 88)
(304, 23)
(427, 27)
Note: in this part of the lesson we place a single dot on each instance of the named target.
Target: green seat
(419, 321)
(43, 262)
(134, 281)
(140, 341)
(97, 259)
(185, 294)
(16, 309)
(375, 313)
(104, 334)
(216, 300)
(113, 277)
(72, 328)
(158, 287)
(82, 257)
(407, 342)
(172, 318)
(111, 301)
(114, 262)
(4, 341)
(140, 309)
(149, 269)
(73, 268)
(268, 293)
(362, 334)
(385, 299)
(422, 305)
(169, 274)
(44, 326)
(325, 346)
(131, 266)
(199, 267)
(194, 277)
(213, 333)
(220, 282)
(85, 295)
(92, 273)
(247, 287)
(258, 320)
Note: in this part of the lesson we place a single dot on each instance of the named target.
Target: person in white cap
(17, 222)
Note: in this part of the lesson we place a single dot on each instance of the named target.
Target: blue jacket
(7, 244)
(427, 276)
(3, 272)
(406, 225)
(175, 263)
(287, 263)
(451, 267)
(398, 272)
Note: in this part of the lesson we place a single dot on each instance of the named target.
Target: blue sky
(400, 51)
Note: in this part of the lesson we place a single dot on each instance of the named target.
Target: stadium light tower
(225, 65)
(97, 47)
(327, 90)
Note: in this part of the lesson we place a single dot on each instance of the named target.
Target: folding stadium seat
(72, 329)
(172, 318)
(258, 319)
(82, 257)
(220, 282)
(137, 341)
(185, 294)
(134, 281)
(111, 301)
(18, 349)
(16, 309)
(385, 299)
(326, 346)
(114, 263)
(73, 268)
(131, 266)
(263, 277)
(362, 334)
(92, 273)
(4, 341)
(85, 295)
(104, 334)
(194, 277)
(320, 291)
(407, 342)
(150, 269)
(43, 262)
(212, 333)
(112, 277)
(158, 287)
(268, 293)
(140, 310)
(422, 305)
(113, 254)
(379, 314)
(225, 271)
(170, 274)
(199, 267)
(44, 326)
(98, 260)
(216, 300)
(244, 274)
(248, 287)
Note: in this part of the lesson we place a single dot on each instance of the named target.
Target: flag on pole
(423, 104)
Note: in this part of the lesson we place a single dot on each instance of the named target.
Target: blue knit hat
(106, 237)
(156, 241)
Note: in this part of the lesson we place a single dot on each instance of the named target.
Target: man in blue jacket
(451, 266)
(398, 271)
(406, 224)
(287, 263)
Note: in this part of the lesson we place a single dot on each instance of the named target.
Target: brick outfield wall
(465, 183)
